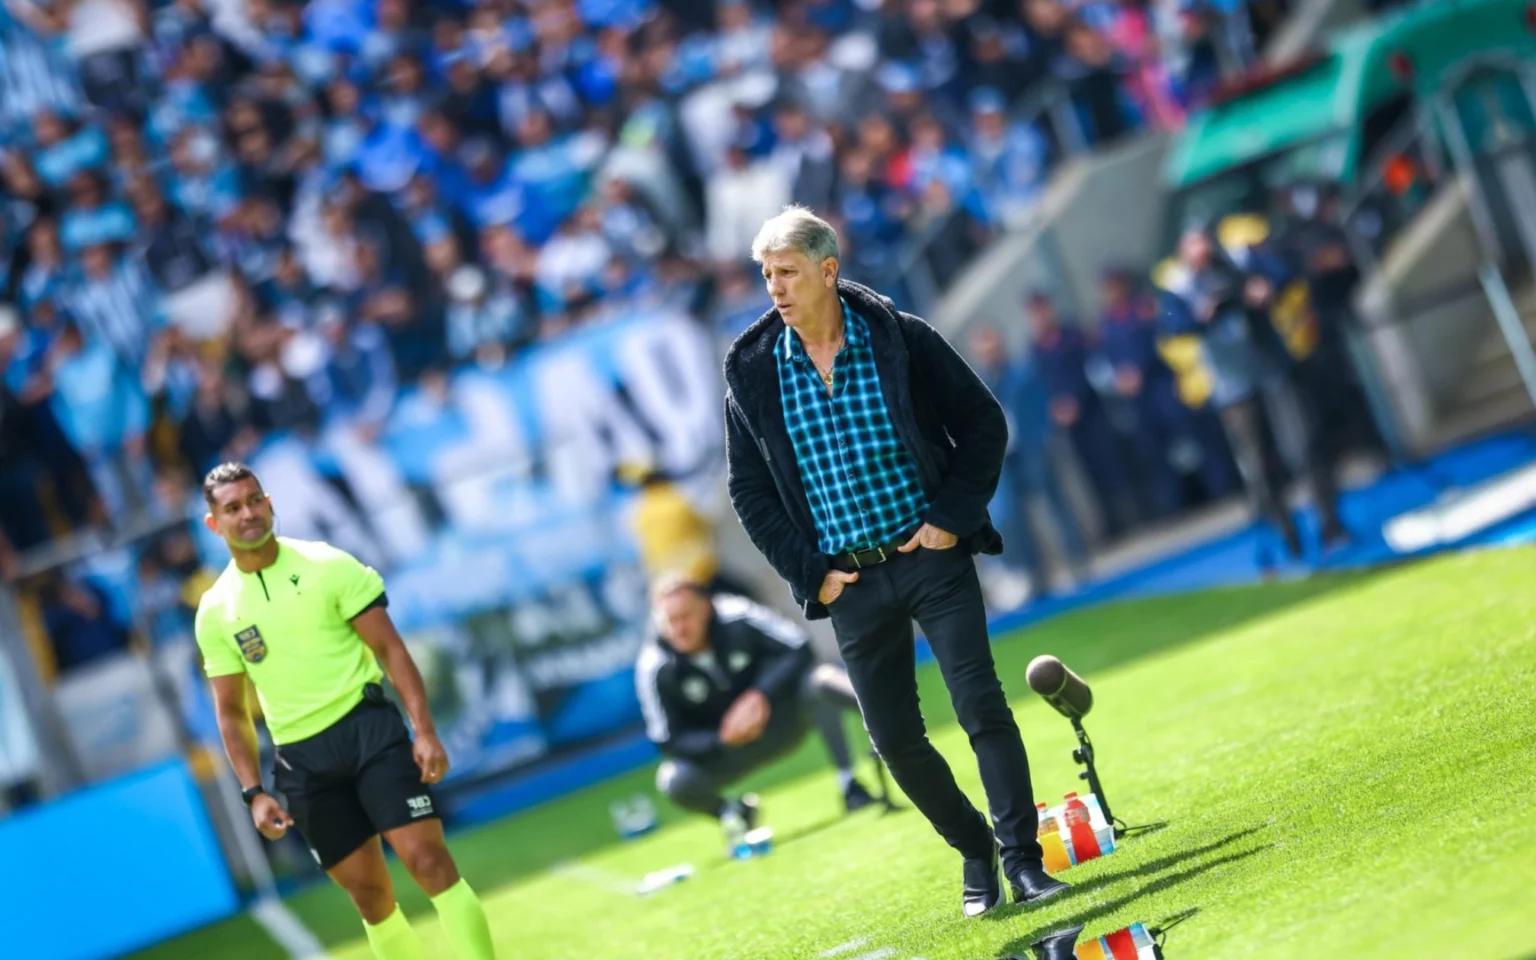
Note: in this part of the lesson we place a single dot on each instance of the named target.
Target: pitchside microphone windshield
(1064, 690)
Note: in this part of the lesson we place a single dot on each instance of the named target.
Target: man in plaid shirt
(863, 452)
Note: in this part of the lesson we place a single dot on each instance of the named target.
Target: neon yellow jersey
(289, 628)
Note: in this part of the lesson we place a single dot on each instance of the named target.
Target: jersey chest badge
(738, 660)
(252, 646)
(696, 689)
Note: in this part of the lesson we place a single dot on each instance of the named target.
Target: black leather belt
(873, 557)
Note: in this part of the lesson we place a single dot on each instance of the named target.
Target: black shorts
(352, 781)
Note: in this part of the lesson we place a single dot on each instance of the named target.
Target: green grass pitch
(1346, 767)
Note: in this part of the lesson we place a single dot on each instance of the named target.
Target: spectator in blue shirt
(103, 411)
(115, 303)
(1008, 160)
(93, 217)
(492, 198)
(1062, 352)
(45, 275)
(66, 148)
(1029, 470)
(553, 171)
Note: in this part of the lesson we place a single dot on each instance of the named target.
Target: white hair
(796, 229)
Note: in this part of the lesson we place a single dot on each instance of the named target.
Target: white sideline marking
(879, 953)
(593, 877)
(289, 932)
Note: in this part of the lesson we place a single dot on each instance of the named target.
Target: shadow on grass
(1088, 916)
(1137, 830)
(1151, 867)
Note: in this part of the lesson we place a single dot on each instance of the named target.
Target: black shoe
(746, 806)
(983, 886)
(855, 797)
(1033, 883)
(1058, 946)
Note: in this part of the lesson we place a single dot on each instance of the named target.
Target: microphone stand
(1083, 755)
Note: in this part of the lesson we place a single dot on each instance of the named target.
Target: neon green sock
(393, 938)
(464, 922)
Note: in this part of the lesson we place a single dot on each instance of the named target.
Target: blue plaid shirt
(863, 487)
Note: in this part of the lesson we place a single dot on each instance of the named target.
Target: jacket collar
(745, 376)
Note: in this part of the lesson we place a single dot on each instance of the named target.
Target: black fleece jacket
(945, 415)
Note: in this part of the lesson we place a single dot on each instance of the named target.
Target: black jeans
(873, 620)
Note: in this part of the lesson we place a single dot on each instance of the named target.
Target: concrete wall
(1307, 24)
(1100, 210)
(1431, 330)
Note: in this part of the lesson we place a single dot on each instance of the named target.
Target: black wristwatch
(250, 794)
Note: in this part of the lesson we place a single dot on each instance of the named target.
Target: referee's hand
(430, 757)
(270, 817)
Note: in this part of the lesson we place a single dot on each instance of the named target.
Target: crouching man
(728, 687)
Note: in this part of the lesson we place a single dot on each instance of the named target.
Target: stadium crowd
(225, 218)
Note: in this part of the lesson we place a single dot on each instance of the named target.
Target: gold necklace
(831, 371)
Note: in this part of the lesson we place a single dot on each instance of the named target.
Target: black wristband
(250, 794)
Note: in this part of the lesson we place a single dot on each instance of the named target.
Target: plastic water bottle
(1140, 935)
(1048, 823)
(1091, 950)
(1103, 830)
(1085, 846)
(1121, 944)
(735, 826)
(1054, 853)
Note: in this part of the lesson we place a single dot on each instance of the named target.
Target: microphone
(1064, 690)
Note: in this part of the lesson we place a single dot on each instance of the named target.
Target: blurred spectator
(1133, 35)
(1007, 161)
(105, 415)
(1316, 244)
(1029, 481)
(22, 524)
(485, 322)
(1228, 309)
(741, 196)
(999, 60)
(1088, 67)
(953, 235)
(1169, 438)
(115, 303)
(807, 154)
(79, 622)
(210, 424)
(1062, 352)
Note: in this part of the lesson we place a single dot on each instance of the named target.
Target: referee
(308, 625)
